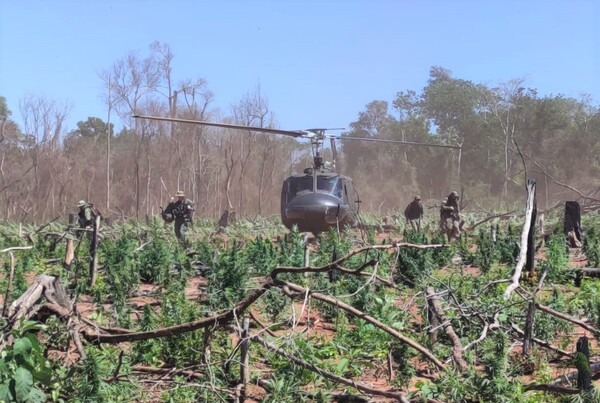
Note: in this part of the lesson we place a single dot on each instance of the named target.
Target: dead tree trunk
(530, 262)
(524, 239)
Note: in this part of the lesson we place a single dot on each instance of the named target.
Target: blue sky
(317, 62)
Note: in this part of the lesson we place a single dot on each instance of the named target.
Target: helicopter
(319, 198)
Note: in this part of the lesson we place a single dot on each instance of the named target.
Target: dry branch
(357, 385)
(484, 332)
(212, 321)
(594, 368)
(457, 350)
(43, 285)
(168, 371)
(337, 263)
(542, 343)
(16, 248)
(564, 390)
(360, 314)
(566, 317)
(501, 216)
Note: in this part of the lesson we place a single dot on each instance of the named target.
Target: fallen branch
(564, 390)
(259, 323)
(595, 367)
(542, 343)
(484, 332)
(326, 374)
(360, 314)
(212, 321)
(436, 308)
(16, 248)
(169, 371)
(337, 263)
(566, 317)
(48, 286)
(502, 215)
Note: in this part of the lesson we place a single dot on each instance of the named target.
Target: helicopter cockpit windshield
(325, 184)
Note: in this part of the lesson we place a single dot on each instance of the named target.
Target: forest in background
(504, 130)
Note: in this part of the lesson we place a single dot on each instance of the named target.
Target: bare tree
(502, 103)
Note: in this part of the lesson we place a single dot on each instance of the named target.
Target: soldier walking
(86, 215)
(413, 213)
(181, 211)
(450, 216)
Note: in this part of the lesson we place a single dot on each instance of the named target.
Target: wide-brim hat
(81, 203)
(179, 193)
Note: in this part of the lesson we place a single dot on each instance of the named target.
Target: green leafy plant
(25, 373)
(557, 260)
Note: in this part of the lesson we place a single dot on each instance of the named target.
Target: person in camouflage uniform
(181, 211)
(86, 216)
(450, 216)
(413, 213)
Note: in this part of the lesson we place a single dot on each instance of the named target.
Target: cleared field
(254, 313)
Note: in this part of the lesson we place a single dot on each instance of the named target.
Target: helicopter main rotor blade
(411, 143)
(291, 133)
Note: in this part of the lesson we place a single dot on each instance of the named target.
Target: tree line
(505, 132)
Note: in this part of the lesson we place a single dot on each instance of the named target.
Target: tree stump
(582, 362)
(572, 226)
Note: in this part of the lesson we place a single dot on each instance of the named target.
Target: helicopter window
(324, 184)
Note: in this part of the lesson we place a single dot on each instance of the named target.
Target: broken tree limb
(259, 323)
(594, 367)
(484, 332)
(501, 216)
(169, 371)
(326, 374)
(524, 238)
(566, 317)
(457, 349)
(337, 263)
(360, 314)
(212, 321)
(25, 302)
(542, 343)
(16, 248)
(564, 390)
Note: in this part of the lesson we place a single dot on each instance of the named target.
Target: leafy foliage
(25, 373)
